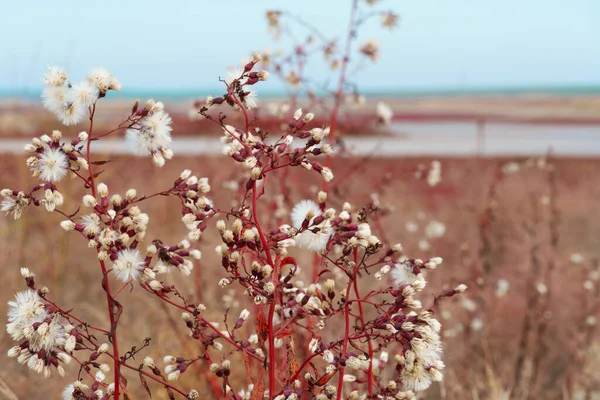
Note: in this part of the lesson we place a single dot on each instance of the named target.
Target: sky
(188, 44)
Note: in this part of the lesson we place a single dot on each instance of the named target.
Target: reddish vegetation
(517, 221)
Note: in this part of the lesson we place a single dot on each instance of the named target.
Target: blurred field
(20, 118)
(504, 236)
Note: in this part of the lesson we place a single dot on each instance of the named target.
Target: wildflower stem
(120, 289)
(369, 344)
(87, 156)
(271, 332)
(211, 326)
(344, 346)
(342, 81)
(210, 378)
(114, 341)
(146, 374)
(63, 312)
(346, 326)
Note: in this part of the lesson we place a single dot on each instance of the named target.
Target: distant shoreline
(399, 93)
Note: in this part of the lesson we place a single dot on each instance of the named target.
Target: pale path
(415, 139)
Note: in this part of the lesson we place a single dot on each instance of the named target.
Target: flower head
(128, 266)
(14, 206)
(55, 76)
(24, 311)
(84, 94)
(403, 273)
(314, 238)
(52, 165)
(371, 50)
(303, 209)
(384, 113)
(152, 135)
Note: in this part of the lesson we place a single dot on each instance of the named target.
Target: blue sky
(186, 44)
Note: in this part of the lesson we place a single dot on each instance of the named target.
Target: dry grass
(481, 364)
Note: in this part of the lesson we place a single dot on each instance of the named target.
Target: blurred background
(500, 99)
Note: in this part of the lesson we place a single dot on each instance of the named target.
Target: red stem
(146, 374)
(210, 325)
(342, 80)
(75, 318)
(265, 246)
(115, 344)
(347, 325)
(369, 344)
(111, 314)
(344, 344)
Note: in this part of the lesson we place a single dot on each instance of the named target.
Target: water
(33, 93)
(457, 139)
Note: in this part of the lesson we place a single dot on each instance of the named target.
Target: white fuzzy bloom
(313, 346)
(54, 98)
(476, 324)
(469, 304)
(55, 76)
(460, 288)
(67, 225)
(384, 112)
(71, 113)
(327, 174)
(14, 206)
(357, 363)
(91, 225)
(435, 229)
(128, 266)
(100, 78)
(51, 165)
(541, 288)
(251, 100)
(502, 287)
(244, 314)
(403, 274)
(151, 135)
(24, 311)
(26, 273)
(233, 73)
(52, 199)
(328, 356)
(84, 94)
(314, 241)
(301, 209)
(434, 176)
(577, 258)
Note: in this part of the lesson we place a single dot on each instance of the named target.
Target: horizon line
(563, 89)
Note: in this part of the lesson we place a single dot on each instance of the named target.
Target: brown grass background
(480, 364)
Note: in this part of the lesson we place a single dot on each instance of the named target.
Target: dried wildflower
(25, 310)
(435, 229)
(273, 18)
(54, 98)
(152, 135)
(13, 204)
(389, 20)
(84, 94)
(371, 50)
(314, 237)
(502, 287)
(51, 165)
(128, 265)
(434, 176)
(55, 76)
(384, 113)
